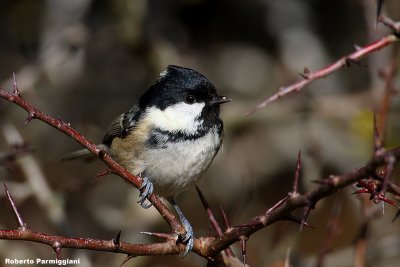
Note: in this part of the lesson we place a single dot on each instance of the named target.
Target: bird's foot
(189, 236)
(148, 188)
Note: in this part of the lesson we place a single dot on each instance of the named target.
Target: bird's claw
(148, 187)
(189, 236)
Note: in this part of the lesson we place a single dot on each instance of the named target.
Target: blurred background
(88, 61)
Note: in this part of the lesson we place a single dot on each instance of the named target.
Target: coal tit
(170, 137)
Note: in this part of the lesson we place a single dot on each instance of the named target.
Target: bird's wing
(122, 125)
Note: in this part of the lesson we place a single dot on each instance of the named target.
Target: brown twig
(208, 246)
(388, 75)
(212, 219)
(311, 77)
(168, 248)
(395, 26)
(281, 211)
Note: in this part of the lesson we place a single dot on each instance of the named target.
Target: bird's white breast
(180, 164)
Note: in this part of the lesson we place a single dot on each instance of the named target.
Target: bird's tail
(82, 154)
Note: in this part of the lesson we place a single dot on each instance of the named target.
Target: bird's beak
(217, 100)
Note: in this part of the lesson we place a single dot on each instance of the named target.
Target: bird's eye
(190, 99)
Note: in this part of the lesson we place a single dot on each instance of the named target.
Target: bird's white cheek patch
(179, 117)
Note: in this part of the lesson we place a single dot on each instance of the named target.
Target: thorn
(228, 251)
(279, 203)
(297, 174)
(159, 235)
(379, 4)
(357, 47)
(380, 197)
(116, 240)
(395, 26)
(30, 117)
(57, 249)
(203, 200)
(243, 242)
(128, 258)
(15, 86)
(227, 226)
(209, 211)
(299, 221)
(21, 224)
(371, 188)
(104, 173)
(361, 191)
(306, 73)
(305, 217)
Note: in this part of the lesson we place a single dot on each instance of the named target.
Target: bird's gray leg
(148, 187)
(189, 237)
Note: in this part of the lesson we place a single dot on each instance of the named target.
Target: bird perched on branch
(169, 138)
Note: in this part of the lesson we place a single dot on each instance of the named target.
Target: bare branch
(280, 212)
(324, 72)
(388, 75)
(211, 247)
(395, 26)
(166, 248)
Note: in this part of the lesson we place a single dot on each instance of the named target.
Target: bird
(169, 138)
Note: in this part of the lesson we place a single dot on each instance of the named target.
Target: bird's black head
(180, 85)
(182, 100)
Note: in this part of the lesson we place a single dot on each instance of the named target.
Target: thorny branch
(209, 247)
(346, 61)
(62, 126)
(205, 246)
